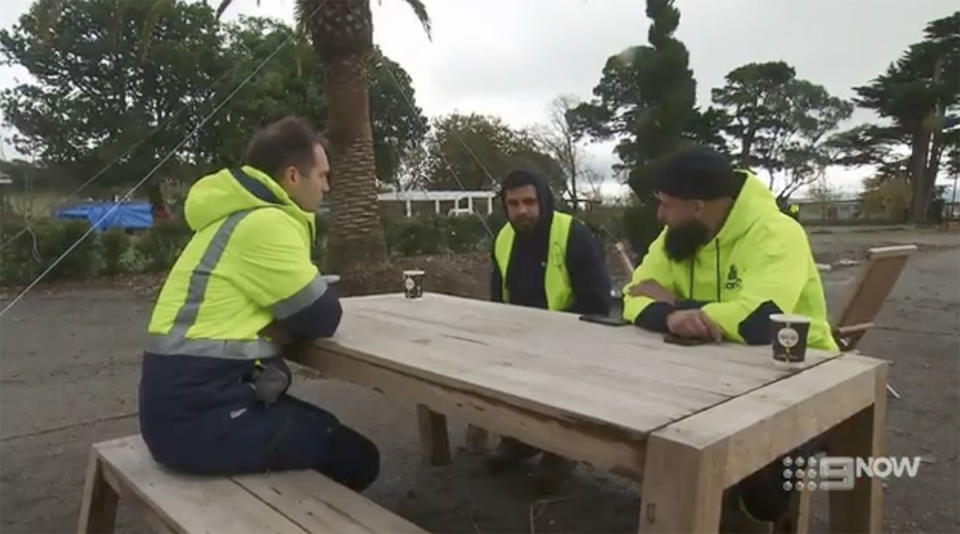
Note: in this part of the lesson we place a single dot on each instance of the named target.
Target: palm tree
(342, 35)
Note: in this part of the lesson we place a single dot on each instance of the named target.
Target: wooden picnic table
(685, 422)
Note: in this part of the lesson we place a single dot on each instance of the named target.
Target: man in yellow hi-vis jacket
(727, 259)
(213, 388)
(544, 259)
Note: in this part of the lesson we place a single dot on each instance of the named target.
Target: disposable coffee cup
(413, 284)
(789, 336)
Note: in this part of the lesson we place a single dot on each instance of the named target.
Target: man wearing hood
(543, 259)
(727, 259)
(213, 387)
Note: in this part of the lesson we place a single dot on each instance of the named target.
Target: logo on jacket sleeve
(733, 279)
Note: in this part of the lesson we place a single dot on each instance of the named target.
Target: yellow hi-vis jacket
(247, 264)
(556, 283)
(759, 263)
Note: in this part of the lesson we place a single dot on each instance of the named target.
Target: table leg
(434, 443)
(797, 519)
(860, 509)
(476, 440)
(98, 511)
(682, 487)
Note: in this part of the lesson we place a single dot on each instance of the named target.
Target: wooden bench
(295, 502)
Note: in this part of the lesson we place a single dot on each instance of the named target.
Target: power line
(152, 171)
(126, 153)
(408, 100)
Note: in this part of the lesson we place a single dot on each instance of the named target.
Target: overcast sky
(512, 57)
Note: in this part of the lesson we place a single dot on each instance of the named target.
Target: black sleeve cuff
(654, 317)
(755, 329)
(319, 319)
(688, 305)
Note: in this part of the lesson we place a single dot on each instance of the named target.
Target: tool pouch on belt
(269, 382)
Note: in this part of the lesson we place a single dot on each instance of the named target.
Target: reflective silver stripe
(301, 299)
(214, 348)
(176, 341)
(201, 275)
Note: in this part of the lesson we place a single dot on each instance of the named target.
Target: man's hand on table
(653, 290)
(693, 323)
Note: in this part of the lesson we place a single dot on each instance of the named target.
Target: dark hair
(697, 173)
(280, 144)
(519, 178)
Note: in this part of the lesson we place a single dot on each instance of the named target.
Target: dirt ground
(70, 366)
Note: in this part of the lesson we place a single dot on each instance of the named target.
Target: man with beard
(543, 259)
(727, 259)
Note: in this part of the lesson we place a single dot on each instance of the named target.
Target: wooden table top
(552, 362)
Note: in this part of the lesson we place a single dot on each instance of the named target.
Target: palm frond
(224, 4)
(299, 12)
(421, 11)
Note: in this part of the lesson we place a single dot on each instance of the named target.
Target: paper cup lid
(413, 272)
(789, 318)
(330, 278)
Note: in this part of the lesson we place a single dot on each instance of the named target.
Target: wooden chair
(870, 289)
(294, 502)
(863, 302)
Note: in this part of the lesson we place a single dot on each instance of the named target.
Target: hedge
(156, 249)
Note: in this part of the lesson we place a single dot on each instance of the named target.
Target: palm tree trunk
(357, 235)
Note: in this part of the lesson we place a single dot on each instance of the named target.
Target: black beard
(683, 241)
(526, 232)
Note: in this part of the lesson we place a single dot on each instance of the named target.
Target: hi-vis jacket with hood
(247, 265)
(558, 266)
(759, 263)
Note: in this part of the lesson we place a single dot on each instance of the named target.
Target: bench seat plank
(319, 504)
(289, 502)
(189, 503)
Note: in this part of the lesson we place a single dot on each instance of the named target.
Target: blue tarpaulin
(127, 215)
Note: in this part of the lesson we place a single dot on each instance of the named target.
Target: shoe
(509, 453)
(552, 473)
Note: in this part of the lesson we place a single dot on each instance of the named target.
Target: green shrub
(32, 252)
(114, 245)
(159, 246)
(416, 236)
(606, 223)
(18, 261)
(58, 236)
(434, 234)
(466, 233)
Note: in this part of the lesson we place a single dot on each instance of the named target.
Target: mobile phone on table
(604, 319)
(683, 340)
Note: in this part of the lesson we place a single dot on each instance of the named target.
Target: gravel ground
(70, 366)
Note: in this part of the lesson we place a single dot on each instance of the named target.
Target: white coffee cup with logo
(789, 336)
(413, 283)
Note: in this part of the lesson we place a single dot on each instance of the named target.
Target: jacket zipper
(693, 262)
(718, 269)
